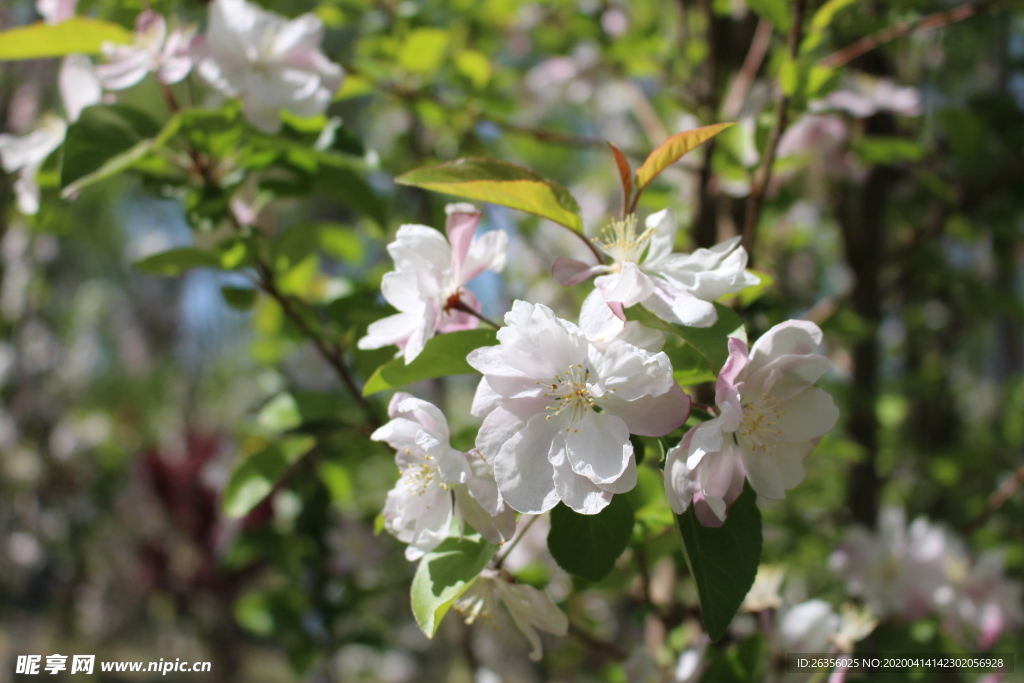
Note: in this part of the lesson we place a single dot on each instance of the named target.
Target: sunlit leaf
(499, 182)
(475, 66)
(723, 560)
(255, 476)
(443, 355)
(775, 11)
(673, 149)
(424, 50)
(105, 140)
(712, 342)
(76, 35)
(444, 575)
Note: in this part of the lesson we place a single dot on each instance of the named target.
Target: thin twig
(599, 646)
(330, 353)
(890, 33)
(515, 541)
(757, 191)
(740, 85)
(460, 306)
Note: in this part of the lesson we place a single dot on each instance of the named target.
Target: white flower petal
(807, 415)
(522, 467)
(79, 87)
(651, 415)
(598, 447)
(629, 373)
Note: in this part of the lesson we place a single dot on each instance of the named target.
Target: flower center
(759, 423)
(418, 478)
(622, 241)
(571, 392)
(479, 602)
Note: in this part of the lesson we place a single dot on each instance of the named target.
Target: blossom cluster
(561, 403)
(271, 63)
(910, 571)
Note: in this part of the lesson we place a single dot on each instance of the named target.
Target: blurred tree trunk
(862, 216)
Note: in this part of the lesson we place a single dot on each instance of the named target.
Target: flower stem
(460, 306)
(515, 541)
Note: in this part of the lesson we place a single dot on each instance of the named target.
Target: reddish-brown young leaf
(625, 175)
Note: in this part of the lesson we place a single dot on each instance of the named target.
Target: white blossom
(169, 56)
(898, 570)
(678, 288)
(558, 411)
(56, 11)
(770, 416)
(268, 61)
(531, 609)
(428, 285)
(420, 508)
(25, 154)
(808, 627)
(912, 571)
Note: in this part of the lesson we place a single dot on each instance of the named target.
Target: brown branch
(740, 85)
(757, 191)
(610, 650)
(890, 33)
(330, 353)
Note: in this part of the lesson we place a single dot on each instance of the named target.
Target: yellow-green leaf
(500, 182)
(78, 34)
(673, 149)
(424, 50)
(475, 66)
(443, 355)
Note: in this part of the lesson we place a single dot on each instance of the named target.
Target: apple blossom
(56, 11)
(268, 61)
(558, 411)
(898, 570)
(531, 609)
(169, 56)
(419, 509)
(807, 627)
(770, 416)
(981, 598)
(764, 594)
(26, 154)
(678, 288)
(428, 283)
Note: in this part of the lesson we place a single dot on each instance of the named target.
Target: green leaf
(689, 366)
(444, 575)
(475, 66)
(105, 140)
(723, 560)
(176, 261)
(500, 182)
(254, 478)
(423, 51)
(674, 149)
(588, 545)
(240, 298)
(884, 150)
(77, 34)
(712, 342)
(443, 355)
(820, 21)
(351, 189)
(775, 11)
